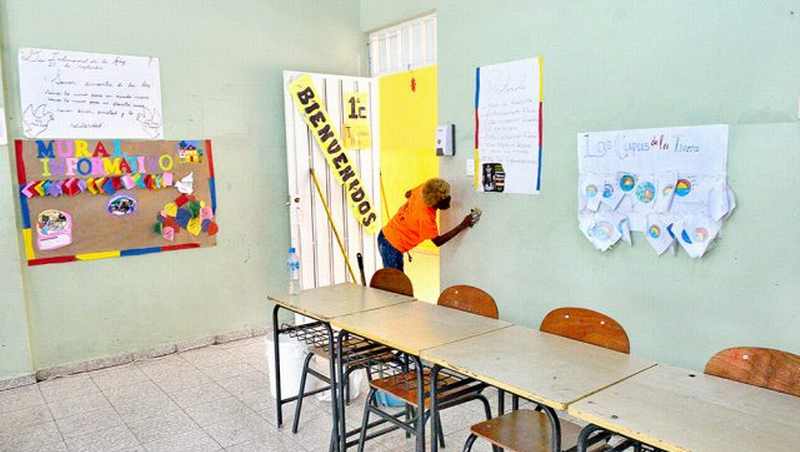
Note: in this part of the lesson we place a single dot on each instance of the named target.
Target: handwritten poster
(670, 183)
(508, 127)
(67, 94)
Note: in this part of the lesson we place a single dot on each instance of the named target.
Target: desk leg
(555, 429)
(335, 434)
(434, 410)
(275, 336)
(501, 402)
(583, 438)
(342, 387)
(420, 427)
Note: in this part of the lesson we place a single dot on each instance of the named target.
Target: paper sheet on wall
(65, 94)
(659, 179)
(508, 127)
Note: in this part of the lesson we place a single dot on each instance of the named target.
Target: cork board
(79, 178)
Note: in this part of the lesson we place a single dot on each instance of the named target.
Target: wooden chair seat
(404, 386)
(525, 431)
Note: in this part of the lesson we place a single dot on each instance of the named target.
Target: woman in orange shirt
(415, 222)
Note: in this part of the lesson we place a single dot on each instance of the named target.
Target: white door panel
(321, 261)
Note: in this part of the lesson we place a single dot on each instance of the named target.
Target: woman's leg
(389, 255)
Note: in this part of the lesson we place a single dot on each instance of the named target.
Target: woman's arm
(467, 222)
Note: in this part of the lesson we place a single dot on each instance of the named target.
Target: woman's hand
(469, 221)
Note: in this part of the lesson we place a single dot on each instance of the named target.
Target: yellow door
(408, 116)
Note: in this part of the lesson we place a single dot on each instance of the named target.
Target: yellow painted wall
(408, 114)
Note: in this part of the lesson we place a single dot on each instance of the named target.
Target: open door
(321, 260)
(408, 116)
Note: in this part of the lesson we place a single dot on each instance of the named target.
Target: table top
(413, 327)
(542, 367)
(682, 410)
(325, 303)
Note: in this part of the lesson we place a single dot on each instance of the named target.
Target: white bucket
(321, 365)
(292, 355)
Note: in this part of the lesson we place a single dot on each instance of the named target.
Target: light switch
(470, 167)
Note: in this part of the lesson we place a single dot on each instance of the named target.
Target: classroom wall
(15, 354)
(383, 13)
(221, 66)
(633, 64)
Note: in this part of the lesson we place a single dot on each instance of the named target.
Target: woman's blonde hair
(434, 191)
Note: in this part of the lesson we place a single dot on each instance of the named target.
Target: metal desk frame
(279, 400)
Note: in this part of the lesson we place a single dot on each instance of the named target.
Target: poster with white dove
(66, 94)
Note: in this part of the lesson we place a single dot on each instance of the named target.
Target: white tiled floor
(209, 399)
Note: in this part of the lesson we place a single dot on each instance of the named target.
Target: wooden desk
(548, 369)
(325, 303)
(413, 327)
(681, 410)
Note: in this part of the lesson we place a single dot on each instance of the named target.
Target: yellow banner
(356, 133)
(316, 117)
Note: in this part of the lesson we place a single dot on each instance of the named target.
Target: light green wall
(628, 64)
(383, 13)
(15, 354)
(221, 78)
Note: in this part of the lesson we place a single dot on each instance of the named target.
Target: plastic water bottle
(293, 265)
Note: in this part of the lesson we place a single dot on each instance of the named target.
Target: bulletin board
(94, 199)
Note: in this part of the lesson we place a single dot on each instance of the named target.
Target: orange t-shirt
(413, 223)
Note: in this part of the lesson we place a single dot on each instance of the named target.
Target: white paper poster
(661, 180)
(508, 127)
(67, 94)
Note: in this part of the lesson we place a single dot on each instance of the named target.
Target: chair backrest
(587, 326)
(392, 280)
(764, 367)
(469, 299)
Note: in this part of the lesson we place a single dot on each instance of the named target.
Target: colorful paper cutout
(185, 185)
(601, 229)
(611, 195)
(658, 234)
(646, 192)
(53, 229)
(696, 234)
(194, 226)
(206, 213)
(186, 212)
(683, 187)
(666, 191)
(189, 151)
(121, 205)
(627, 182)
(591, 192)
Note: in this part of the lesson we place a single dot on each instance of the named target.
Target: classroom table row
(665, 407)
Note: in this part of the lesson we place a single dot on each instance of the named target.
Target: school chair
(763, 367)
(388, 279)
(392, 280)
(529, 430)
(454, 390)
